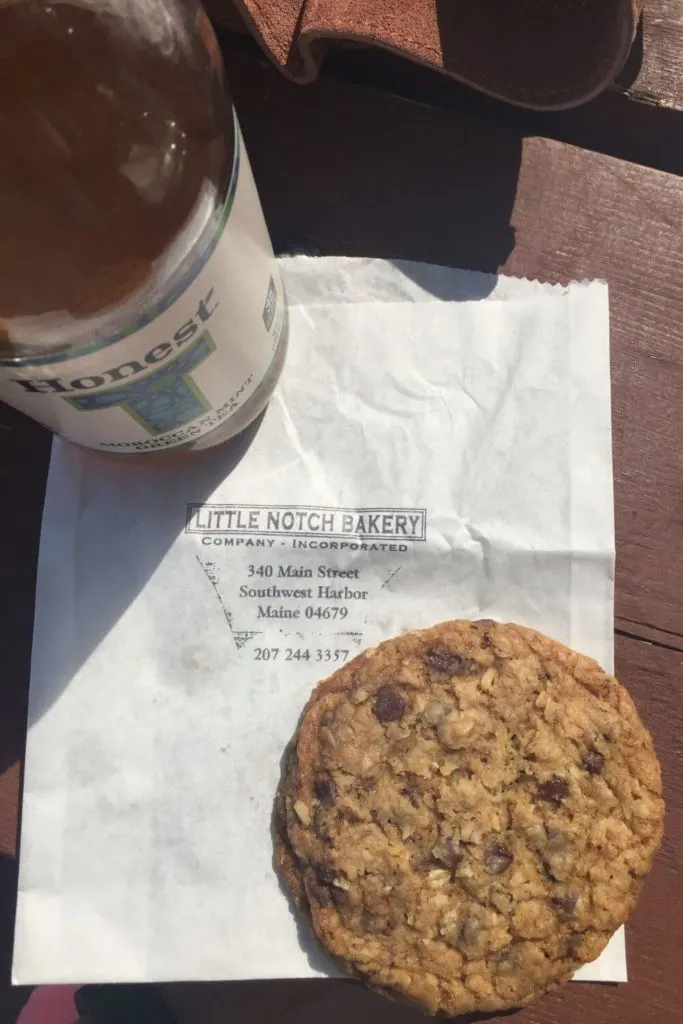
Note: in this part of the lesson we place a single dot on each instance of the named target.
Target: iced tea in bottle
(140, 304)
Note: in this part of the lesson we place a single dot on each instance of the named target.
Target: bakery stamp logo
(307, 526)
(312, 587)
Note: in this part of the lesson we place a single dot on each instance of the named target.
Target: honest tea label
(188, 364)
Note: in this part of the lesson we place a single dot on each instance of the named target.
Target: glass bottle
(141, 307)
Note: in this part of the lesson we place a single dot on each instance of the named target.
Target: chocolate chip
(449, 852)
(484, 626)
(444, 660)
(389, 705)
(340, 897)
(300, 862)
(593, 762)
(556, 840)
(565, 905)
(319, 894)
(469, 931)
(325, 874)
(324, 791)
(506, 961)
(453, 854)
(554, 790)
(411, 790)
(497, 859)
(548, 871)
(289, 761)
(421, 862)
(366, 922)
(422, 859)
(322, 826)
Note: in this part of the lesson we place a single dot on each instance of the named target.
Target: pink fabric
(51, 1004)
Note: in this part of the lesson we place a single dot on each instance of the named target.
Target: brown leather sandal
(543, 54)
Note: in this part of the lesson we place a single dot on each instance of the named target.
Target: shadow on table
(297, 1002)
(116, 553)
(24, 456)
(634, 64)
(536, 51)
(11, 999)
(349, 171)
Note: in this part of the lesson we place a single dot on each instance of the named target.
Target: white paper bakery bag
(439, 447)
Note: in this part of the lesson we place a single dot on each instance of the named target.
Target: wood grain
(9, 795)
(622, 226)
(659, 50)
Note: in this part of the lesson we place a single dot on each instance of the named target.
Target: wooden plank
(13, 736)
(655, 955)
(588, 216)
(654, 72)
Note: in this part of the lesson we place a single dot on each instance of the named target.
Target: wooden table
(407, 165)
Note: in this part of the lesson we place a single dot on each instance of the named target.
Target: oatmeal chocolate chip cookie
(467, 813)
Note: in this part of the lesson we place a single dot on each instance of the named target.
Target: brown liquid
(107, 139)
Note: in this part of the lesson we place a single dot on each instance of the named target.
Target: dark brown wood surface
(343, 170)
